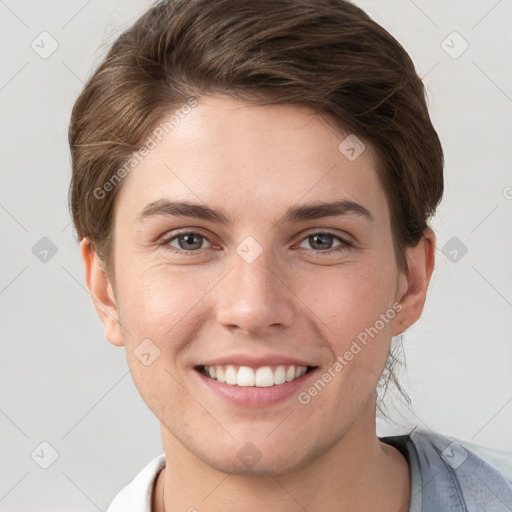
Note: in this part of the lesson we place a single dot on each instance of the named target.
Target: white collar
(138, 493)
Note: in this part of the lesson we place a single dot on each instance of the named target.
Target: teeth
(219, 372)
(280, 375)
(231, 374)
(245, 376)
(262, 377)
(300, 370)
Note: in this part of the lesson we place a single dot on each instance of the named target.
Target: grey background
(62, 383)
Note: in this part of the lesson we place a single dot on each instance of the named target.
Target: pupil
(321, 239)
(189, 239)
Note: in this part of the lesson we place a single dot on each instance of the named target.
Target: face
(253, 282)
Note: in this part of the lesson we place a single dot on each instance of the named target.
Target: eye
(322, 241)
(187, 241)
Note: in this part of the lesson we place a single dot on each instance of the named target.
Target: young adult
(252, 185)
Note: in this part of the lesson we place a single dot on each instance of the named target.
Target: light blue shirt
(455, 475)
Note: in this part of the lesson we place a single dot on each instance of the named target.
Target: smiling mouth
(261, 377)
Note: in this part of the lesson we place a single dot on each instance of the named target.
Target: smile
(261, 377)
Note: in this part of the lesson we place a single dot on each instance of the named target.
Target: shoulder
(459, 471)
(499, 459)
(455, 450)
(137, 495)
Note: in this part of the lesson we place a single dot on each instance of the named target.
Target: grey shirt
(451, 475)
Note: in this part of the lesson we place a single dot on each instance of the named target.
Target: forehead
(246, 159)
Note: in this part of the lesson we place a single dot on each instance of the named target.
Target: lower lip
(252, 396)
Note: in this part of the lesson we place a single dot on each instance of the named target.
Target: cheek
(353, 297)
(158, 309)
(159, 302)
(356, 305)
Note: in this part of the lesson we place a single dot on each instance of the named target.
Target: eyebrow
(316, 210)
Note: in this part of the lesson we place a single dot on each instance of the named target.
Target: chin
(264, 467)
(258, 455)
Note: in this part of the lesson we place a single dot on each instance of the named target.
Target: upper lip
(255, 362)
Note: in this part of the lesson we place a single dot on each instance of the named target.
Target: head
(260, 113)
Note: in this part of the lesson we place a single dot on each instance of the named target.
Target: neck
(358, 473)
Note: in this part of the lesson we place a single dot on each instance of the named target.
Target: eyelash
(344, 246)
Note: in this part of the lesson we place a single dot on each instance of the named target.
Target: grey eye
(321, 241)
(188, 241)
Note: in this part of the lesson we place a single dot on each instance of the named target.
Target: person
(252, 186)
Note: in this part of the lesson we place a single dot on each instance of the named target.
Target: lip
(252, 396)
(255, 362)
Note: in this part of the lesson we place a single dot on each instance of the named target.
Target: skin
(255, 162)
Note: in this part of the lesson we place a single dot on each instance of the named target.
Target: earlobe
(414, 286)
(101, 291)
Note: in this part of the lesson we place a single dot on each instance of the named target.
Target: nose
(255, 297)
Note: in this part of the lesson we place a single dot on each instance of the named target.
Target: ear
(101, 292)
(413, 286)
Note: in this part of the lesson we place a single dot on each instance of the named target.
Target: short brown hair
(325, 54)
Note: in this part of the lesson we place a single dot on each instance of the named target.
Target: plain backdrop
(62, 384)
